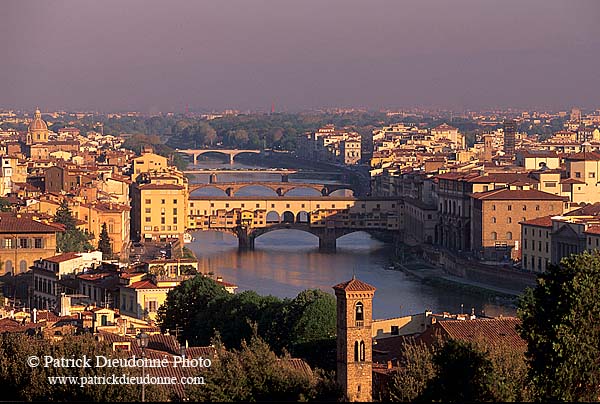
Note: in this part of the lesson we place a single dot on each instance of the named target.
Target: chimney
(65, 305)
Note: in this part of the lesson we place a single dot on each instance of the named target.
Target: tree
(104, 243)
(185, 301)
(560, 322)
(415, 373)
(64, 216)
(462, 373)
(23, 383)
(72, 239)
(255, 373)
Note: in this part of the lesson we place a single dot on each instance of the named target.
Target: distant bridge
(195, 153)
(280, 188)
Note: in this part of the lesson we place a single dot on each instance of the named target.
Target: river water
(285, 262)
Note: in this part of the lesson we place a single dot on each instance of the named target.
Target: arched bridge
(329, 218)
(327, 236)
(195, 153)
(280, 188)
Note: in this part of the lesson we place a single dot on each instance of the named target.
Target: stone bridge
(327, 236)
(195, 153)
(280, 188)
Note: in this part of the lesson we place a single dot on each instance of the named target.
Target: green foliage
(187, 253)
(65, 217)
(185, 301)
(104, 243)
(72, 239)
(5, 205)
(560, 324)
(255, 373)
(416, 372)
(304, 326)
(23, 383)
(463, 373)
(459, 371)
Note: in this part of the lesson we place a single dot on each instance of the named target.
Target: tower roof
(354, 285)
(38, 123)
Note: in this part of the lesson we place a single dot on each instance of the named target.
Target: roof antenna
(354, 273)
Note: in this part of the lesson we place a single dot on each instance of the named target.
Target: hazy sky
(153, 55)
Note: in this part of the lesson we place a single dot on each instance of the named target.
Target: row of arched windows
(509, 236)
(359, 351)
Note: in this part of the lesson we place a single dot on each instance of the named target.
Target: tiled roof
(507, 178)
(506, 194)
(162, 186)
(12, 223)
(595, 229)
(11, 325)
(571, 181)
(545, 221)
(595, 156)
(492, 330)
(354, 285)
(57, 259)
(588, 210)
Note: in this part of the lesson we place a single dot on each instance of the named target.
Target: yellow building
(116, 217)
(159, 211)
(148, 162)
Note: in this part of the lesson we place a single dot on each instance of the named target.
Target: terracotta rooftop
(500, 330)
(57, 259)
(594, 156)
(506, 194)
(595, 229)
(588, 210)
(544, 221)
(162, 186)
(354, 285)
(12, 223)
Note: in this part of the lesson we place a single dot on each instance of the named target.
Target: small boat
(187, 238)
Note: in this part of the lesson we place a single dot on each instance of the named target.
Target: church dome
(38, 123)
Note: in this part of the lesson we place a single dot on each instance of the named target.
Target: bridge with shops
(327, 217)
(280, 188)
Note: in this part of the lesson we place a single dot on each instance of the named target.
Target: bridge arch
(342, 192)
(246, 190)
(302, 217)
(273, 217)
(209, 190)
(288, 217)
(316, 190)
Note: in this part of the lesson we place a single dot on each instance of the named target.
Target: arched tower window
(356, 349)
(361, 353)
(359, 314)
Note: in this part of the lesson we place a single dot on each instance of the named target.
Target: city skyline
(153, 57)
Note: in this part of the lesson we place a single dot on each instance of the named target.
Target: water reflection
(286, 262)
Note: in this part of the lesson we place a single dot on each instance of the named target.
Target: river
(285, 262)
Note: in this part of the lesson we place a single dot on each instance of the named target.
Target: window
(509, 235)
(485, 188)
(494, 235)
(162, 201)
(24, 243)
(540, 246)
(174, 201)
(537, 207)
(162, 220)
(525, 244)
(359, 314)
(38, 243)
(151, 306)
(509, 207)
(148, 210)
(493, 220)
(548, 246)
(493, 207)
(509, 219)
(148, 219)
(257, 205)
(174, 211)
(226, 205)
(174, 220)
(524, 207)
(577, 174)
(148, 201)
(359, 351)
(592, 175)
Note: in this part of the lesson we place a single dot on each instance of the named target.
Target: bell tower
(354, 341)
